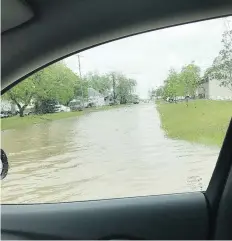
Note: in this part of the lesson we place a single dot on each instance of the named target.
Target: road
(115, 153)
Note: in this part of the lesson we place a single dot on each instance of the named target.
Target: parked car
(90, 104)
(66, 109)
(170, 99)
(76, 105)
(29, 110)
(135, 99)
(62, 108)
(4, 115)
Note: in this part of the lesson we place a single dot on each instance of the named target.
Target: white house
(8, 106)
(95, 97)
(211, 89)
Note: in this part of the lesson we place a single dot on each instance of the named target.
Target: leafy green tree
(221, 68)
(100, 82)
(189, 80)
(21, 95)
(158, 92)
(183, 83)
(172, 87)
(123, 88)
(56, 82)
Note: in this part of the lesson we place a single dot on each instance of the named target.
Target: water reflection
(116, 153)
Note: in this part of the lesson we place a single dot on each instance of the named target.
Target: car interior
(36, 33)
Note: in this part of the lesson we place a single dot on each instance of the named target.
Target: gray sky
(148, 57)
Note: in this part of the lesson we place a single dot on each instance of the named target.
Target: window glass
(139, 116)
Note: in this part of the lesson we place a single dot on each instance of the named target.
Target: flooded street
(116, 153)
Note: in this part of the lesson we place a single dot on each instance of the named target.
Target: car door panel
(178, 216)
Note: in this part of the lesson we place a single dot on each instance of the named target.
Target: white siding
(7, 106)
(96, 97)
(217, 92)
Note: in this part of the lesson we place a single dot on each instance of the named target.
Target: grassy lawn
(19, 122)
(203, 121)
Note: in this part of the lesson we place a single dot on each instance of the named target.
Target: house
(95, 97)
(7, 106)
(211, 89)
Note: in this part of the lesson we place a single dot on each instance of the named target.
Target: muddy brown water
(108, 154)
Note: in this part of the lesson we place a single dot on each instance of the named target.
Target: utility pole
(80, 74)
(79, 65)
(114, 94)
(228, 27)
(227, 24)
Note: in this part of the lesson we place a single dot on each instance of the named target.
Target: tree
(54, 83)
(58, 84)
(100, 82)
(116, 84)
(172, 87)
(159, 91)
(21, 95)
(156, 92)
(183, 83)
(221, 68)
(123, 88)
(189, 80)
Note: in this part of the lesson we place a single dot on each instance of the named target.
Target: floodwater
(120, 152)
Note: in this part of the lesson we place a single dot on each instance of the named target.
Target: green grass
(17, 122)
(203, 121)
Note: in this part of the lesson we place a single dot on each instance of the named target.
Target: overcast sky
(148, 57)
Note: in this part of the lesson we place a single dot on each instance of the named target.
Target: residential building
(7, 106)
(211, 89)
(95, 97)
